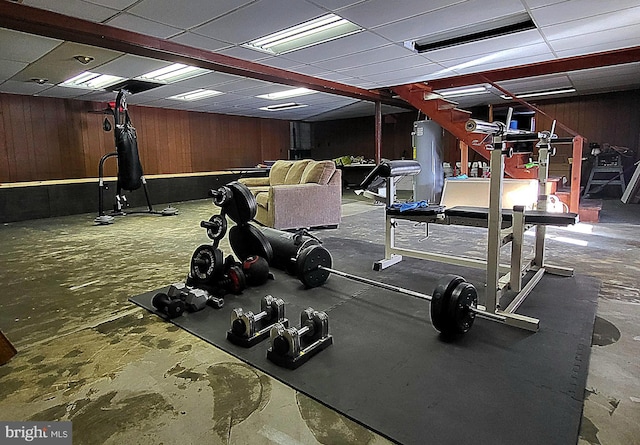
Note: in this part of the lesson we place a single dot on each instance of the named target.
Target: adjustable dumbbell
(171, 307)
(234, 280)
(253, 271)
(195, 299)
(256, 270)
(248, 328)
(291, 347)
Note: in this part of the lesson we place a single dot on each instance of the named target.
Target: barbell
(453, 303)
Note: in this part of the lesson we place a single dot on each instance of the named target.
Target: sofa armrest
(255, 182)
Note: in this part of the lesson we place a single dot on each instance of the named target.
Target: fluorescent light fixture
(287, 94)
(313, 32)
(460, 92)
(196, 95)
(501, 26)
(282, 107)
(174, 73)
(540, 93)
(92, 81)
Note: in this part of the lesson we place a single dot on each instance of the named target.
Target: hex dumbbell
(171, 307)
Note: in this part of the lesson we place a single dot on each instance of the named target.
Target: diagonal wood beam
(51, 24)
(595, 60)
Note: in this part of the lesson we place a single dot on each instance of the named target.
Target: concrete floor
(123, 375)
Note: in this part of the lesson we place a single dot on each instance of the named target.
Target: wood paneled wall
(355, 137)
(46, 138)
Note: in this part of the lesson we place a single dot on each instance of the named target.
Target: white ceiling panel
(75, 8)
(589, 25)
(198, 41)
(374, 58)
(541, 83)
(457, 16)
(128, 65)
(568, 11)
(374, 13)
(22, 47)
(30, 88)
(116, 4)
(9, 68)
(259, 19)
(512, 44)
(193, 13)
(366, 57)
(142, 26)
(343, 46)
(605, 40)
(334, 4)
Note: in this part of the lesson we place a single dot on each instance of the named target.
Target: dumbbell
(234, 280)
(291, 347)
(171, 307)
(248, 328)
(256, 270)
(195, 299)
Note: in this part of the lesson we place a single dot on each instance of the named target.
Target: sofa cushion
(318, 172)
(295, 172)
(279, 171)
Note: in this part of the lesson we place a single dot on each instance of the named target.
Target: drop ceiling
(373, 59)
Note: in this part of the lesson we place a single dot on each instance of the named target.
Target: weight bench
(511, 226)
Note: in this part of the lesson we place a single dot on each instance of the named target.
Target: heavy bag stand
(130, 175)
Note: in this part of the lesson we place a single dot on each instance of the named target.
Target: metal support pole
(541, 231)
(378, 132)
(495, 224)
(515, 275)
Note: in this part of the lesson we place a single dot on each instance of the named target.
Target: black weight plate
(307, 265)
(247, 240)
(206, 264)
(440, 300)
(220, 230)
(242, 206)
(460, 317)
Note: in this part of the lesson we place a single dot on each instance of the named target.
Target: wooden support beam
(576, 171)
(464, 158)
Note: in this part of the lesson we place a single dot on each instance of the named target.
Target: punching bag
(129, 166)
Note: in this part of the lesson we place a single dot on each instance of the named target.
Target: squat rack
(500, 277)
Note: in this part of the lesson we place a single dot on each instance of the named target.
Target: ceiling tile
(22, 47)
(198, 41)
(259, 19)
(605, 40)
(577, 9)
(59, 64)
(513, 44)
(116, 4)
(343, 46)
(457, 16)
(244, 53)
(9, 68)
(195, 13)
(374, 13)
(606, 22)
(371, 56)
(142, 26)
(414, 62)
(541, 83)
(129, 66)
(29, 88)
(75, 8)
(63, 92)
(333, 5)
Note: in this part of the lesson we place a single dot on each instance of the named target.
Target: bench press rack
(504, 226)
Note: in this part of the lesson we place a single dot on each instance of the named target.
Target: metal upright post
(495, 224)
(541, 230)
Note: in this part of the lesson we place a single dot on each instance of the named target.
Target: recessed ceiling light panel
(174, 73)
(287, 93)
(313, 32)
(196, 95)
(92, 81)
